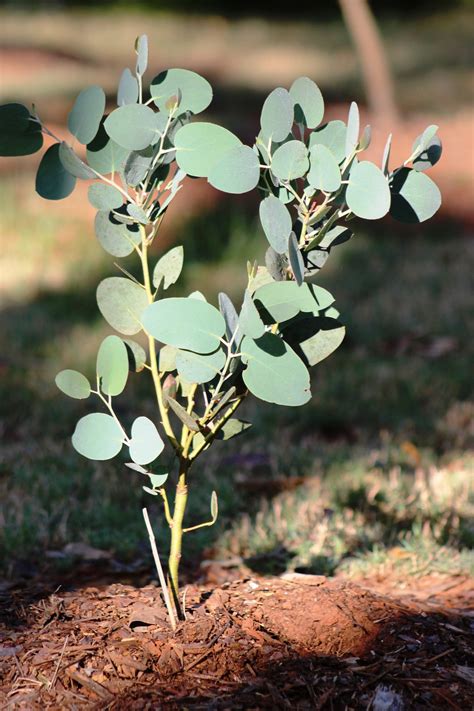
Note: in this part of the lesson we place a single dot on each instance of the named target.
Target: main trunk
(177, 538)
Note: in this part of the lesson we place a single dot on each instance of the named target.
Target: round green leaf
(422, 142)
(112, 365)
(73, 164)
(324, 173)
(168, 268)
(190, 324)
(137, 165)
(368, 193)
(146, 443)
(194, 91)
(277, 115)
(415, 197)
(138, 213)
(307, 97)
(237, 172)
(84, 120)
(285, 299)
(14, 118)
(122, 303)
(167, 359)
(97, 436)
(73, 384)
(132, 126)
(290, 160)
(26, 143)
(276, 222)
(103, 154)
(333, 136)
(53, 181)
(199, 368)
(115, 237)
(104, 197)
(200, 146)
(274, 372)
(127, 89)
(353, 127)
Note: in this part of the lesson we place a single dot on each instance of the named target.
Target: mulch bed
(296, 642)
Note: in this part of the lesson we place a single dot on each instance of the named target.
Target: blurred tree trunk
(376, 72)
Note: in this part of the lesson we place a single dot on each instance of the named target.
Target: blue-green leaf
(133, 126)
(250, 323)
(324, 173)
(168, 268)
(296, 259)
(84, 120)
(115, 237)
(122, 303)
(127, 89)
(277, 115)
(112, 365)
(200, 147)
(353, 127)
(415, 197)
(104, 197)
(194, 91)
(237, 172)
(141, 48)
(146, 443)
(53, 181)
(276, 222)
(73, 384)
(368, 193)
(285, 299)
(333, 136)
(274, 372)
(97, 436)
(308, 99)
(290, 160)
(198, 367)
(189, 324)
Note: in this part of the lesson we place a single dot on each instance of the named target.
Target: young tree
(204, 361)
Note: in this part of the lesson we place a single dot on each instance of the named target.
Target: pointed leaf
(185, 323)
(290, 161)
(276, 264)
(368, 193)
(365, 139)
(229, 313)
(112, 365)
(415, 197)
(145, 444)
(200, 147)
(136, 355)
(122, 304)
(53, 181)
(353, 127)
(141, 48)
(308, 99)
(195, 92)
(277, 115)
(274, 372)
(234, 428)
(84, 120)
(276, 222)
(214, 507)
(429, 156)
(423, 141)
(237, 172)
(386, 155)
(324, 173)
(296, 259)
(73, 384)
(198, 368)
(137, 165)
(182, 414)
(97, 436)
(169, 267)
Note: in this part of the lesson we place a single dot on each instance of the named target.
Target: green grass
(382, 458)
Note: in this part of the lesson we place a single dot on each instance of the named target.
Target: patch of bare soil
(296, 642)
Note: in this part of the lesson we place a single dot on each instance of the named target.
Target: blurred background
(374, 477)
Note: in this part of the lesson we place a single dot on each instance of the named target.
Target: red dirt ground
(296, 642)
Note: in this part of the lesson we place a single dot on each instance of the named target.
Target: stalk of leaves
(203, 361)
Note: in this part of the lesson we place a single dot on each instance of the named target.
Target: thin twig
(161, 576)
(55, 675)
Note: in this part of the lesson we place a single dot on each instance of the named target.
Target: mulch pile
(296, 642)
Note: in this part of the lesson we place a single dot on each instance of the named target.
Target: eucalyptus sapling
(203, 361)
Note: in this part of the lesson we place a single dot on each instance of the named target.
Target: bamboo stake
(161, 576)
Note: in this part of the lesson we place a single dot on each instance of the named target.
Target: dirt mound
(299, 642)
